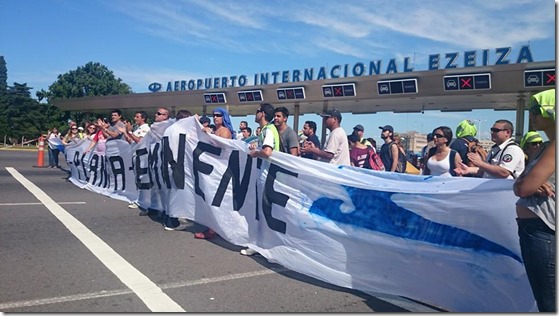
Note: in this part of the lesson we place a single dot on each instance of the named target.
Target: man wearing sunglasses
(162, 114)
(506, 159)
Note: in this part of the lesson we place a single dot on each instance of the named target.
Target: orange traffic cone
(41, 153)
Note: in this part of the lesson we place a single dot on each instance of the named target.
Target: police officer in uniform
(506, 159)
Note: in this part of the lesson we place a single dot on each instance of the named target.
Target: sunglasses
(74, 128)
(496, 130)
(159, 113)
(438, 135)
(535, 144)
(218, 115)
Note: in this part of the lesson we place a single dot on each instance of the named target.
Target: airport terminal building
(457, 81)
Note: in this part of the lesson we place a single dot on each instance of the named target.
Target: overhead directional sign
(291, 93)
(212, 98)
(338, 90)
(250, 96)
(467, 82)
(539, 78)
(397, 86)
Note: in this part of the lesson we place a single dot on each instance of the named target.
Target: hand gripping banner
(448, 242)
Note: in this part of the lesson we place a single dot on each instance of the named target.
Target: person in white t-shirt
(506, 159)
(54, 141)
(336, 148)
(142, 128)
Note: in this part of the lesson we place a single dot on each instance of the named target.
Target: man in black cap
(389, 152)
(336, 148)
(359, 130)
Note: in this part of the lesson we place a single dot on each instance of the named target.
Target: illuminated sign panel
(399, 86)
(339, 90)
(250, 96)
(467, 82)
(213, 98)
(297, 93)
(539, 78)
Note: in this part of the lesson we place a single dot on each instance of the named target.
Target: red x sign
(466, 83)
(550, 78)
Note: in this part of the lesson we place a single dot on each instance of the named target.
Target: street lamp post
(479, 127)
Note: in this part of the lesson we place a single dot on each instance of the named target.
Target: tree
(90, 80)
(23, 116)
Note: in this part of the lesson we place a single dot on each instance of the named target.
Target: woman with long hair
(90, 130)
(535, 209)
(71, 136)
(441, 160)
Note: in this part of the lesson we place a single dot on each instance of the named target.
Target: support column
(323, 131)
(520, 115)
(297, 112)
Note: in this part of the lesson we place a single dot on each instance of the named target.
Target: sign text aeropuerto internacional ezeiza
(375, 67)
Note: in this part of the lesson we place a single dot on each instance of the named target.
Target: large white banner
(448, 242)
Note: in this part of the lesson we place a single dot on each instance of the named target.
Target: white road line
(147, 291)
(37, 203)
(100, 294)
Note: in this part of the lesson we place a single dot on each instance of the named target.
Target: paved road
(71, 250)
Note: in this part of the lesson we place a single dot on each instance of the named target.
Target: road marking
(101, 294)
(37, 203)
(147, 291)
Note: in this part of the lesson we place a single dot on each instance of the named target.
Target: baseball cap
(359, 127)
(544, 103)
(333, 113)
(80, 128)
(530, 137)
(466, 128)
(387, 127)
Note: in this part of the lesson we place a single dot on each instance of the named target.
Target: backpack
(373, 161)
(475, 147)
(402, 161)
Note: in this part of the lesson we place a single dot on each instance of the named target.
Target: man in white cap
(80, 132)
(336, 148)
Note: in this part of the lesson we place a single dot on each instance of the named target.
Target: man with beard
(389, 151)
(309, 130)
(289, 141)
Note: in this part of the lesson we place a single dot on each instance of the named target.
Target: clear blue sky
(161, 41)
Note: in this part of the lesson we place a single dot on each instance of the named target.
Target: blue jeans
(537, 244)
(53, 156)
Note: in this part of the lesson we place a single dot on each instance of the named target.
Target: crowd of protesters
(531, 163)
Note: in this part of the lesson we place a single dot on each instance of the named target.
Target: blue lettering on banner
(375, 211)
(434, 62)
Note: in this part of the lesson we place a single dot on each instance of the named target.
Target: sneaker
(183, 224)
(143, 213)
(248, 252)
(133, 205)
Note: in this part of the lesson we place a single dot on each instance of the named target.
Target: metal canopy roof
(507, 88)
